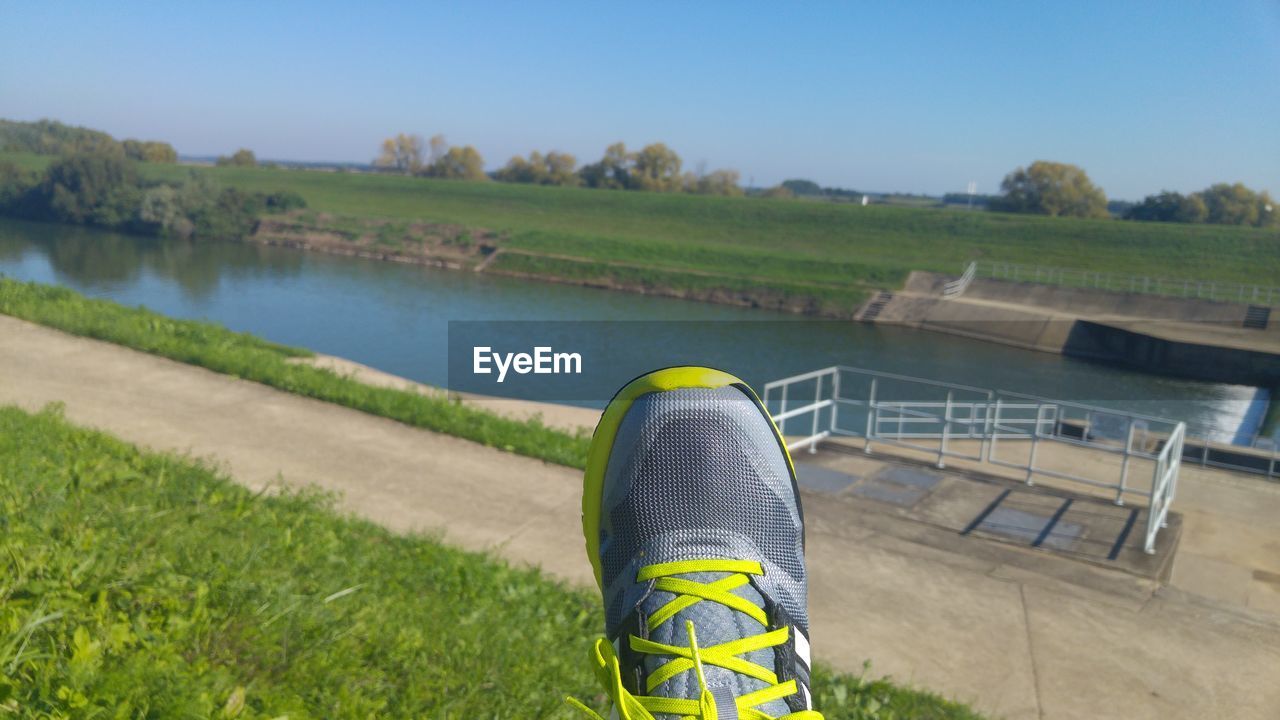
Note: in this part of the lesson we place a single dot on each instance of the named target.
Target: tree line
(1043, 187)
(653, 168)
(1221, 203)
(1051, 188)
(50, 137)
(104, 188)
(408, 154)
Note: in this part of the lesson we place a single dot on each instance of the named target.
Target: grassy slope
(810, 241)
(242, 355)
(142, 585)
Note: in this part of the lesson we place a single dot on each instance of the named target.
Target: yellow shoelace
(683, 659)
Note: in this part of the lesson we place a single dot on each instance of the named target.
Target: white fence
(1119, 282)
(979, 425)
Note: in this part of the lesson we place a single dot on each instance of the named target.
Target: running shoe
(694, 530)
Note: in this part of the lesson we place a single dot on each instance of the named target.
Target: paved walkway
(984, 628)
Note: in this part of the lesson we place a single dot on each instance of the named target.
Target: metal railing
(1165, 485)
(1119, 282)
(956, 287)
(975, 424)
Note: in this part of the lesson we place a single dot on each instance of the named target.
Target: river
(395, 317)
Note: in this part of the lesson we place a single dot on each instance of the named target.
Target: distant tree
(802, 187)
(554, 168)
(519, 170)
(1051, 188)
(439, 146)
(612, 171)
(15, 183)
(457, 163)
(97, 188)
(1169, 206)
(402, 153)
(719, 182)
(656, 168)
(1119, 208)
(777, 191)
(240, 158)
(150, 151)
(1268, 213)
(163, 211)
(561, 168)
(132, 149)
(1238, 205)
(1193, 209)
(50, 137)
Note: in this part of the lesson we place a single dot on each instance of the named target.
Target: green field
(142, 585)
(694, 232)
(831, 254)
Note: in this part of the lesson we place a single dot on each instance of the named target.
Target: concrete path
(988, 630)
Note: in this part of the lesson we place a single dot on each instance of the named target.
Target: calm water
(395, 317)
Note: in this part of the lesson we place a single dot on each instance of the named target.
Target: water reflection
(98, 262)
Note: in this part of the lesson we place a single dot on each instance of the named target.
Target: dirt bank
(457, 248)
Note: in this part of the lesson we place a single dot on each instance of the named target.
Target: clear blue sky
(916, 97)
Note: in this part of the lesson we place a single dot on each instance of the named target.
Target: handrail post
(1124, 464)
(984, 448)
(871, 418)
(1035, 443)
(1153, 507)
(1176, 458)
(835, 397)
(995, 432)
(817, 398)
(946, 424)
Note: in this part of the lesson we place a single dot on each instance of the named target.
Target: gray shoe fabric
(697, 473)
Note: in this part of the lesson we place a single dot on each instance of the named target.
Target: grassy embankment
(245, 356)
(800, 255)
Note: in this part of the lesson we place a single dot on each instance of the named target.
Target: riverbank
(455, 247)
(798, 256)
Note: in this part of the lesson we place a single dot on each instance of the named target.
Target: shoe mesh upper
(698, 473)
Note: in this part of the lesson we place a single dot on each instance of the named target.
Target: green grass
(251, 358)
(697, 232)
(777, 295)
(142, 585)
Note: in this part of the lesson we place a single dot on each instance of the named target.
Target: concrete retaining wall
(1215, 363)
(1199, 339)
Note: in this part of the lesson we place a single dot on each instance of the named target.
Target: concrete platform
(970, 512)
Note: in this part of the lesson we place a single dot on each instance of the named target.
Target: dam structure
(1207, 331)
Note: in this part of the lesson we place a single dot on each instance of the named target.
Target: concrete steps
(1257, 317)
(873, 308)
